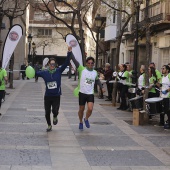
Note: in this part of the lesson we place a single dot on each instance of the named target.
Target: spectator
(124, 78)
(3, 81)
(108, 76)
(37, 68)
(141, 81)
(158, 74)
(100, 72)
(22, 70)
(131, 94)
(165, 94)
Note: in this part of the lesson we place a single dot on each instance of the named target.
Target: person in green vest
(123, 80)
(152, 79)
(158, 75)
(3, 82)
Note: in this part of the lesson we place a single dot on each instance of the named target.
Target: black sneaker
(55, 120)
(166, 126)
(119, 108)
(0, 114)
(49, 128)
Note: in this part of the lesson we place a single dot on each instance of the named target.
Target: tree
(74, 12)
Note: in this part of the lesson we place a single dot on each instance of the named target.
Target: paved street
(112, 142)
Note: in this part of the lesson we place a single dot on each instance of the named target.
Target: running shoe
(55, 120)
(49, 128)
(87, 123)
(81, 126)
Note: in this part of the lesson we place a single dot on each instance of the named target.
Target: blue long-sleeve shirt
(53, 79)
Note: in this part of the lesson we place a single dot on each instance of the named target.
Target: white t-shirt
(141, 81)
(165, 86)
(86, 80)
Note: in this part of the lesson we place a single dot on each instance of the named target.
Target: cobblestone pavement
(112, 142)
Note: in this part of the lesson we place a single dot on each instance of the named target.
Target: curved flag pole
(76, 50)
(11, 41)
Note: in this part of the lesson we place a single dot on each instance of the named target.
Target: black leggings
(166, 103)
(2, 92)
(123, 93)
(53, 101)
(109, 89)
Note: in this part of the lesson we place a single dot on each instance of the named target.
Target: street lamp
(29, 47)
(98, 23)
(137, 4)
(44, 45)
(33, 52)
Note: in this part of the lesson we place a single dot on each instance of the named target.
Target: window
(165, 57)
(41, 16)
(42, 32)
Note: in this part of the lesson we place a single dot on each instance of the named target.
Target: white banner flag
(76, 50)
(45, 61)
(12, 39)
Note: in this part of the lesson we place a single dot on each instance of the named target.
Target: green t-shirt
(151, 82)
(158, 74)
(130, 78)
(3, 74)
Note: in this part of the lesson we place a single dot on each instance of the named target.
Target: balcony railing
(157, 11)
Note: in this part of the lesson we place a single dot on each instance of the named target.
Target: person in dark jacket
(37, 68)
(108, 76)
(52, 78)
(23, 68)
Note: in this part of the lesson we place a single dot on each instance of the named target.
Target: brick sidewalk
(111, 143)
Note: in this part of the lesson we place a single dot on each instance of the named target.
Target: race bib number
(88, 82)
(52, 85)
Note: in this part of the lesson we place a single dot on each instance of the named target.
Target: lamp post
(29, 47)
(33, 52)
(137, 4)
(98, 23)
(44, 45)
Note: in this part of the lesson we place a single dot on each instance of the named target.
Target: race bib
(52, 85)
(88, 82)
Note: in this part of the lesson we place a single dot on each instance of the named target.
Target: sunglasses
(52, 64)
(91, 63)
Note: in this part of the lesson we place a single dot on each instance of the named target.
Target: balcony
(159, 11)
(159, 15)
